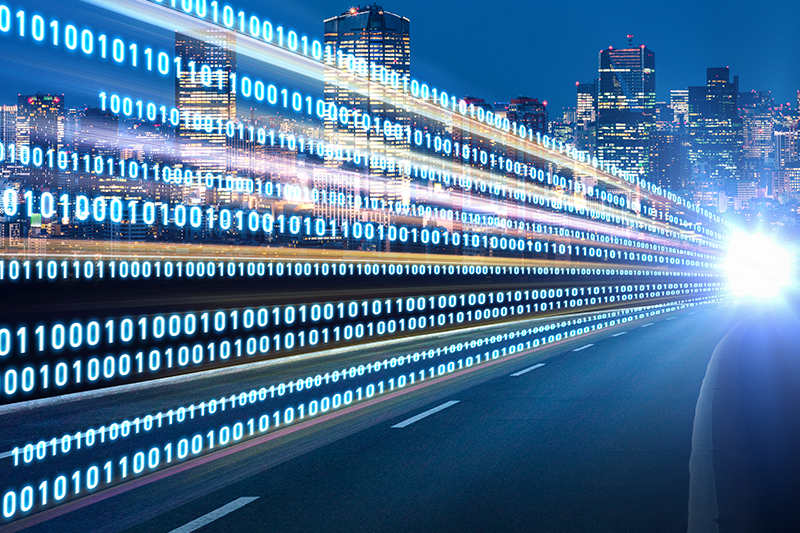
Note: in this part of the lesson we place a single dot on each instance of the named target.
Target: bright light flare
(757, 266)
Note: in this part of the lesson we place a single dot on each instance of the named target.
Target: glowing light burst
(758, 267)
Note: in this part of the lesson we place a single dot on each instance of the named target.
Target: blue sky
(498, 51)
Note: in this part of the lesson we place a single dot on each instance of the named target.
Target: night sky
(499, 51)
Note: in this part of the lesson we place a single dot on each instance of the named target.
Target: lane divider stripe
(429, 412)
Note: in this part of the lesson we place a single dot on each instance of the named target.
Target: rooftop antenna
(630, 40)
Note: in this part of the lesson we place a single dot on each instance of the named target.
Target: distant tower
(206, 95)
(40, 124)
(529, 112)
(376, 44)
(626, 99)
(586, 108)
(380, 47)
(586, 117)
(679, 102)
(8, 124)
(715, 128)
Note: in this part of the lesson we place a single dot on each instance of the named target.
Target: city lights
(222, 233)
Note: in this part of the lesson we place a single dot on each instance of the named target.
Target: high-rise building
(679, 102)
(8, 124)
(377, 44)
(205, 150)
(529, 112)
(665, 158)
(755, 109)
(714, 131)
(626, 100)
(665, 148)
(40, 120)
(585, 132)
(787, 151)
(586, 109)
(40, 123)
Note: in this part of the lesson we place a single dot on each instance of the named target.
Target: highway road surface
(674, 421)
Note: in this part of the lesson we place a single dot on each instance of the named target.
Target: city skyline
(633, 93)
(339, 267)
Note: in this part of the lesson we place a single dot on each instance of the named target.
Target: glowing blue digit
(87, 42)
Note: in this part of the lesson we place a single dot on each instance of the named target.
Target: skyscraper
(529, 112)
(205, 149)
(755, 109)
(40, 123)
(665, 156)
(626, 100)
(8, 124)
(786, 148)
(586, 109)
(586, 117)
(715, 130)
(679, 102)
(377, 44)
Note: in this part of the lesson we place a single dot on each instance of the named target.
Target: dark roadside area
(756, 424)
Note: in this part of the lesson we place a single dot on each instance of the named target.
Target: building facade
(40, 124)
(208, 94)
(714, 131)
(626, 98)
(368, 60)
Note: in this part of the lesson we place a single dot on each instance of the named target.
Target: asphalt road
(592, 433)
(594, 440)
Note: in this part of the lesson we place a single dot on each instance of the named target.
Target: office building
(205, 150)
(786, 148)
(529, 112)
(40, 124)
(714, 131)
(755, 110)
(585, 131)
(377, 44)
(679, 103)
(586, 107)
(626, 98)
(8, 124)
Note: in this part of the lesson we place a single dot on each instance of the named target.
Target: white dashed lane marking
(526, 370)
(429, 412)
(583, 348)
(206, 519)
